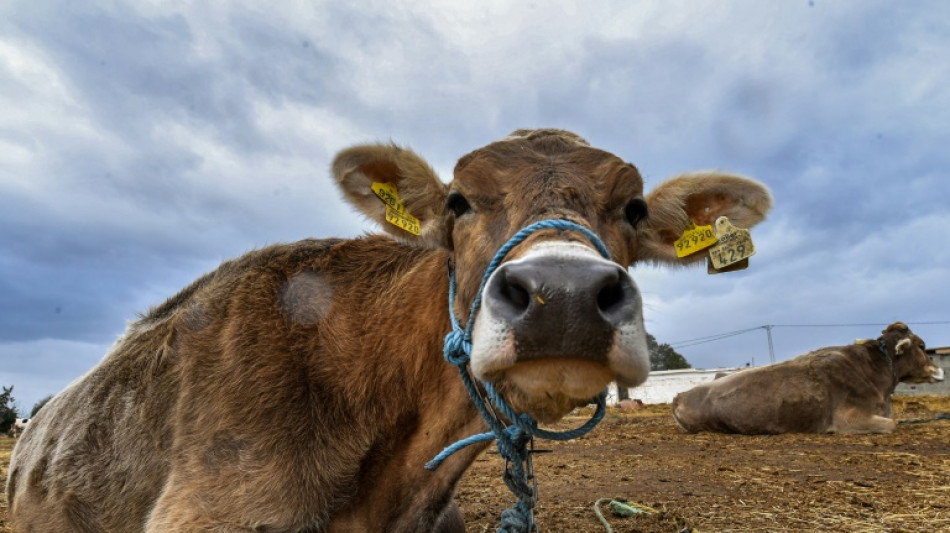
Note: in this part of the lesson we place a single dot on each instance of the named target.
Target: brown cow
(301, 387)
(841, 389)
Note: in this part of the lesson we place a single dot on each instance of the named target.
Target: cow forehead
(563, 135)
(543, 166)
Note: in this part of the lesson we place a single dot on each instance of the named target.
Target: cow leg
(850, 420)
(686, 417)
(173, 514)
(451, 520)
(196, 526)
(45, 514)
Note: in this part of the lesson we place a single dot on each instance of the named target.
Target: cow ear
(400, 170)
(902, 345)
(700, 198)
(899, 327)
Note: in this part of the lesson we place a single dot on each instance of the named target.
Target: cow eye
(457, 204)
(635, 211)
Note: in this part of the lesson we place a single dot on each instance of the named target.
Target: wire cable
(719, 336)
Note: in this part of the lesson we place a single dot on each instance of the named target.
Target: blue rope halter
(513, 440)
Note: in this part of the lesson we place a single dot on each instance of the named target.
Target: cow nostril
(610, 296)
(511, 291)
(617, 299)
(515, 295)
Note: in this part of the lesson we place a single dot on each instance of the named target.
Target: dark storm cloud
(140, 145)
(117, 216)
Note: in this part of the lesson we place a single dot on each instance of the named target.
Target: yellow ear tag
(396, 213)
(735, 245)
(694, 239)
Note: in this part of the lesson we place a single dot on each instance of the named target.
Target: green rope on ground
(941, 416)
(622, 508)
(600, 515)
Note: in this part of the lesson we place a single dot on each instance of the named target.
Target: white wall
(662, 385)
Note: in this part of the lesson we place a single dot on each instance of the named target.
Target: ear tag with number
(396, 213)
(734, 246)
(694, 239)
(741, 265)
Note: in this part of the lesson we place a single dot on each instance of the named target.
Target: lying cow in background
(18, 426)
(842, 389)
(302, 387)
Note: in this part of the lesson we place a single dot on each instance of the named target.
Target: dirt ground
(711, 482)
(6, 447)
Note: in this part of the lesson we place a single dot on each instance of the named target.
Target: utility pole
(768, 333)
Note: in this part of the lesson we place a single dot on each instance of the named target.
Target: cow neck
(882, 345)
(514, 435)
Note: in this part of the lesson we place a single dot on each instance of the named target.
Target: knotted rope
(512, 440)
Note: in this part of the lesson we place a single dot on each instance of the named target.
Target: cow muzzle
(560, 321)
(937, 375)
(558, 306)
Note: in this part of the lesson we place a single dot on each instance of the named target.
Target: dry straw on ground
(898, 483)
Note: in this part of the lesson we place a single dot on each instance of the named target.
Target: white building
(662, 385)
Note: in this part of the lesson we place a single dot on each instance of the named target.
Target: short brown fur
(840, 389)
(301, 387)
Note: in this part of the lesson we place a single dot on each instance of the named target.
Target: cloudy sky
(142, 143)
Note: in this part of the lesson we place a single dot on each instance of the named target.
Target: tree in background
(8, 414)
(662, 357)
(39, 405)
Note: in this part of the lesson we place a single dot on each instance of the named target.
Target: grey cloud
(182, 136)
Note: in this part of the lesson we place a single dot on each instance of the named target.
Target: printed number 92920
(694, 240)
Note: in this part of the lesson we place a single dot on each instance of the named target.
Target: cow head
(558, 322)
(911, 363)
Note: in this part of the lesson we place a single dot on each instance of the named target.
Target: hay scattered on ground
(6, 448)
(898, 483)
